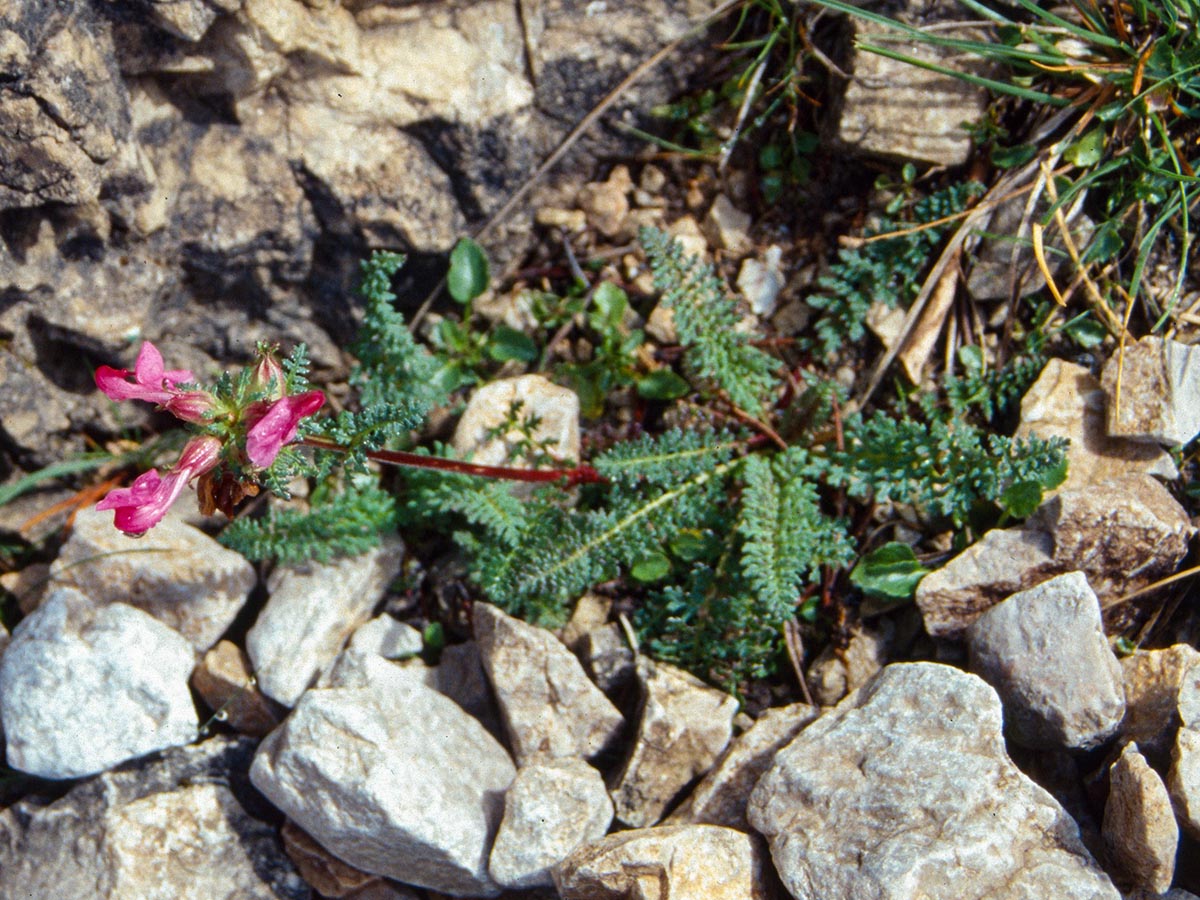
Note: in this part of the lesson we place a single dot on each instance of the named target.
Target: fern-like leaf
(707, 322)
(668, 458)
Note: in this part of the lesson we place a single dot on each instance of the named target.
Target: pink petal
(278, 426)
(143, 504)
(150, 382)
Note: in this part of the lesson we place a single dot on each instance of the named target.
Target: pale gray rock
(591, 611)
(491, 406)
(312, 610)
(683, 727)
(682, 862)
(167, 828)
(1183, 780)
(175, 573)
(83, 688)
(1159, 391)
(1045, 653)
(388, 637)
(391, 777)
(896, 109)
(905, 791)
(549, 706)
(1123, 534)
(189, 19)
(760, 281)
(1067, 401)
(551, 808)
(606, 203)
(838, 671)
(1154, 700)
(1140, 832)
(460, 675)
(721, 796)
(727, 226)
(607, 658)
(1188, 695)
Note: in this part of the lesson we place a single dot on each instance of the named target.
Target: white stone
(1156, 698)
(905, 791)
(1183, 780)
(393, 778)
(312, 610)
(549, 706)
(84, 688)
(388, 637)
(176, 573)
(761, 281)
(728, 226)
(491, 406)
(551, 808)
(1159, 398)
(1045, 653)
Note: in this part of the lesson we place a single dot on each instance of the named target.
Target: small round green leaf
(1088, 150)
(508, 343)
(662, 384)
(468, 276)
(650, 568)
(890, 572)
(1021, 500)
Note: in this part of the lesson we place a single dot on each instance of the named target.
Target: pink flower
(277, 426)
(143, 504)
(192, 406)
(150, 381)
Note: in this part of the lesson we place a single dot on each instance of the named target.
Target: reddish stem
(583, 474)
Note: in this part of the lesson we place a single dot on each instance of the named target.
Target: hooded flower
(143, 504)
(278, 424)
(151, 381)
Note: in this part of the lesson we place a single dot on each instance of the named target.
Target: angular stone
(169, 828)
(224, 681)
(176, 573)
(606, 203)
(683, 726)
(327, 874)
(1188, 701)
(461, 677)
(591, 611)
(551, 808)
(607, 658)
(1066, 401)
(898, 110)
(721, 796)
(312, 610)
(905, 791)
(1183, 780)
(549, 706)
(1153, 679)
(1159, 391)
(728, 226)
(1123, 535)
(1045, 653)
(1140, 833)
(556, 408)
(838, 671)
(760, 281)
(83, 688)
(391, 777)
(388, 637)
(682, 862)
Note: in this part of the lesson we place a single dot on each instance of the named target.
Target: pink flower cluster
(265, 425)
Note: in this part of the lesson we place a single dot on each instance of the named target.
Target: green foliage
(668, 458)
(891, 573)
(468, 276)
(884, 271)
(706, 319)
(347, 524)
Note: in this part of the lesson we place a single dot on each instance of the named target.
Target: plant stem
(582, 474)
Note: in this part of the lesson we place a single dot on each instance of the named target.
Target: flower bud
(269, 377)
(196, 407)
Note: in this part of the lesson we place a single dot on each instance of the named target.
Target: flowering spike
(151, 381)
(278, 426)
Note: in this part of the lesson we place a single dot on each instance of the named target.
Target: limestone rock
(895, 109)
(1153, 679)
(606, 203)
(721, 796)
(837, 672)
(490, 406)
(1140, 833)
(551, 808)
(591, 611)
(1160, 391)
(1066, 401)
(169, 828)
(760, 281)
(1123, 535)
(327, 874)
(189, 19)
(83, 688)
(1188, 697)
(905, 791)
(683, 726)
(176, 573)
(1045, 653)
(224, 680)
(461, 677)
(1183, 780)
(549, 706)
(728, 226)
(683, 862)
(312, 610)
(607, 658)
(391, 777)
(388, 637)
